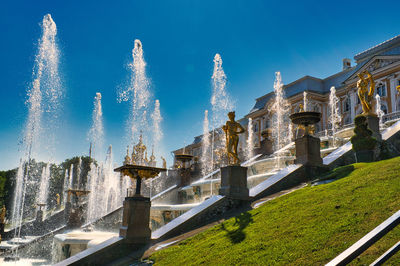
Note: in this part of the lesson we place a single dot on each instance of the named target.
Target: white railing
(391, 116)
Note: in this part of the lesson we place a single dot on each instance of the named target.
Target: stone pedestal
(2, 225)
(234, 182)
(308, 151)
(135, 220)
(39, 216)
(373, 124)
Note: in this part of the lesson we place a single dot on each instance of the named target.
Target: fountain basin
(184, 157)
(305, 118)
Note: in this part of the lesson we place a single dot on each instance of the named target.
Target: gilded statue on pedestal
(232, 130)
(366, 96)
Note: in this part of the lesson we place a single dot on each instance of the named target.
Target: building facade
(382, 61)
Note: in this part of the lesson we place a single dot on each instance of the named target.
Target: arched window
(267, 122)
(346, 104)
(255, 126)
(381, 89)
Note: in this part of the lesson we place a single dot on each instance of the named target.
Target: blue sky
(180, 39)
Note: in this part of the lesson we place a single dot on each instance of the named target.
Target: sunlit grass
(307, 227)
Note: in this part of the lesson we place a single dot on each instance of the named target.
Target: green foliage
(309, 226)
(362, 139)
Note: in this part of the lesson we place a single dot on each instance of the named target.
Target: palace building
(382, 61)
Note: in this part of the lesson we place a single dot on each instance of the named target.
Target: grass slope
(310, 226)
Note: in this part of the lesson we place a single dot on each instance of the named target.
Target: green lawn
(307, 227)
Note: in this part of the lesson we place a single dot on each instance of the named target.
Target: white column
(393, 94)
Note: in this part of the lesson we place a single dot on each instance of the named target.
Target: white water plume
(105, 188)
(157, 132)
(280, 133)
(379, 111)
(43, 103)
(44, 185)
(250, 140)
(305, 101)
(206, 158)
(137, 92)
(221, 103)
(96, 132)
(334, 116)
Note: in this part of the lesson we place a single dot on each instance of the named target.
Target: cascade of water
(220, 101)
(17, 204)
(79, 173)
(305, 101)
(206, 160)
(96, 132)
(334, 116)
(138, 92)
(105, 188)
(111, 182)
(379, 111)
(92, 179)
(43, 107)
(290, 133)
(250, 140)
(71, 176)
(157, 132)
(280, 118)
(44, 185)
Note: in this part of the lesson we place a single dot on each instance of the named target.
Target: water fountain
(280, 119)
(221, 104)
(250, 140)
(96, 132)
(307, 147)
(379, 111)
(138, 93)
(334, 117)
(43, 105)
(136, 208)
(206, 160)
(157, 132)
(44, 185)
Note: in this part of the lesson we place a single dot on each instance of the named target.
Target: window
(267, 123)
(347, 104)
(255, 126)
(381, 89)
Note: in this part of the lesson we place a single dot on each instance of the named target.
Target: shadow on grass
(337, 173)
(241, 222)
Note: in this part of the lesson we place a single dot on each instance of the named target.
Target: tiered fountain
(136, 208)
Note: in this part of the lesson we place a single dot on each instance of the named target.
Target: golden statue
(398, 89)
(58, 199)
(301, 108)
(232, 129)
(127, 158)
(164, 162)
(366, 96)
(3, 215)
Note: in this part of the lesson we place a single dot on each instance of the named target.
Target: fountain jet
(280, 133)
(220, 101)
